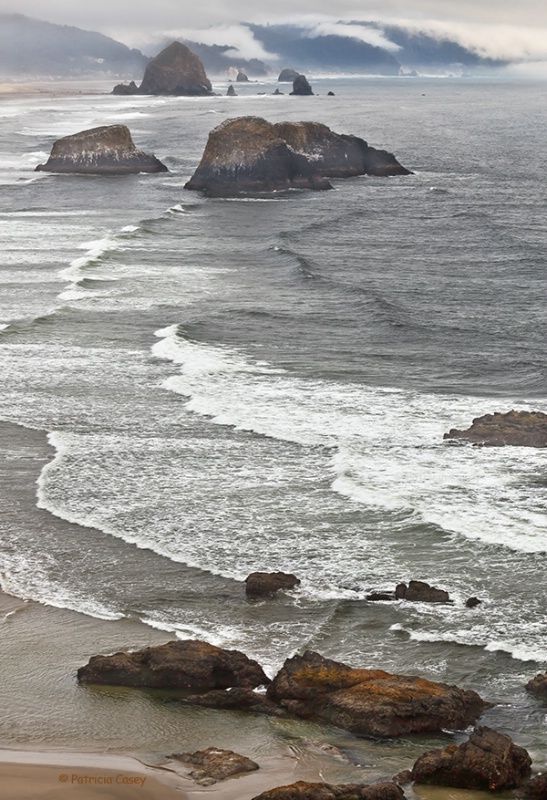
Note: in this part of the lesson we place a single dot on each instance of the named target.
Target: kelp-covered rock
(213, 764)
(538, 685)
(246, 155)
(175, 71)
(489, 761)
(302, 790)
(106, 150)
(185, 664)
(370, 702)
(518, 428)
(262, 584)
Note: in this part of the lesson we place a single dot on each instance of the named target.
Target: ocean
(194, 389)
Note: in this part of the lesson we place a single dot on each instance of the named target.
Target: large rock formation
(338, 155)
(370, 702)
(174, 71)
(215, 765)
(246, 155)
(107, 150)
(302, 790)
(287, 75)
(262, 584)
(249, 154)
(187, 664)
(301, 86)
(538, 685)
(520, 428)
(488, 760)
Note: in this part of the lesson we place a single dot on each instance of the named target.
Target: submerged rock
(236, 700)
(175, 71)
(421, 592)
(107, 150)
(302, 790)
(518, 428)
(538, 685)
(246, 155)
(184, 664)
(215, 765)
(370, 702)
(261, 584)
(489, 761)
(300, 86)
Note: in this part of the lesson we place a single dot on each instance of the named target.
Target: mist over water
(225, 386)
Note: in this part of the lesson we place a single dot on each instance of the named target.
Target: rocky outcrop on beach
(246, 155)
(250, 154)
(264, 584)
(213, 765)
(338, 155)
(370, 702)
(287, 75)
(236, 700)
(107, 150)
(538, 685)
(489, 761)
(518, 428)
(536, 789)
(174, 71)
(185, 664)
(301, 87)
(421, 592)
(302, 790)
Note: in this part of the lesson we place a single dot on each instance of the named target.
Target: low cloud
(362, 32)
(238, 37)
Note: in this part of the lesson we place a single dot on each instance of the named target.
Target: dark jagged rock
(231, 91)
(370, 702)
(330, 94)
(260, 584)
(215, 764)
(472, 602)
(302, 790)
(489, 761)
(538, 685)
(278, 92)
(375, 596)
(518, 428)
(187, 664)
(107, 150)
(420, 592)
(337, 155)
(287, 75)
(126, 88)
(301, 87)
(236, 700)
(246, 155)
(241, 77)
(175, 71)
(537, 788)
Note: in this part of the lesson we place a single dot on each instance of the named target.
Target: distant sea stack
(250, 154)
(174, 71)
(107, 150)
(287, 75)
(300, 86)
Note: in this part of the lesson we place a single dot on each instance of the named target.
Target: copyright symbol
(63, 778)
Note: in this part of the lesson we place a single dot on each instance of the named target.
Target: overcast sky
(505, 28)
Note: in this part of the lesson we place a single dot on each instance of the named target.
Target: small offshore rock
(181, 664)
(421, 592)
(488, 761)
(215, 764)
(261, 584)
(287, 75)
(376, 596)
(302, 790)
(126, 88)
(236, 700)
(231, 91)
(538, 685)
(515, 428)
(241, 77)
(330, 94)
(472, 602)
(106, 150)
(536, 789)
(301, 87)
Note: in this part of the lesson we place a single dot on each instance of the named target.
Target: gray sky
(496, 27)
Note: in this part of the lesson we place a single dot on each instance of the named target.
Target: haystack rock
(177, 71)
(184, 664)
(337, 155)
(287, 75)
(300, 86)
(260, 584)
(370, 702)
(518, 428)
(302, 790)
(488, 761)
(246, 155)
(249, 154)
(107, 150)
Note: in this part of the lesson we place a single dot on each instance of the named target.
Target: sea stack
(107, 150)
(174, 71)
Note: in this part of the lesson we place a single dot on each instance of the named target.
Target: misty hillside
(30, 47)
